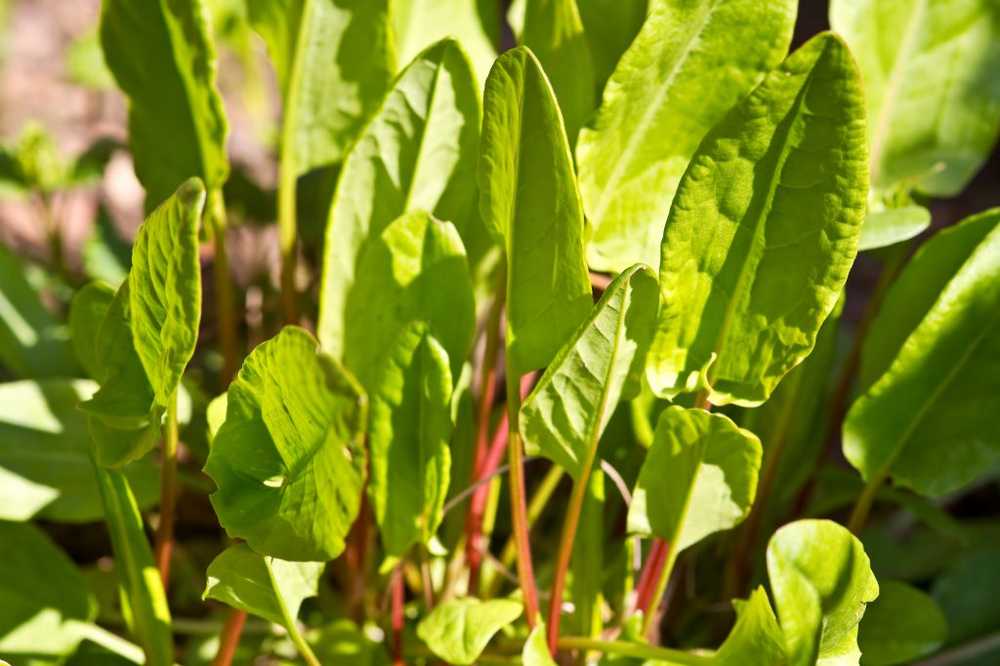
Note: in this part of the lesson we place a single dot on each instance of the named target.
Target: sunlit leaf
(458, 630)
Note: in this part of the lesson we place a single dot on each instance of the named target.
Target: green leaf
(334, 61)
(821, 580)
(343, 643)
(162, 56)
(587, 562)
(263, 586)
(143, 597)
(945, 324)
(410, 429)
(756, 639)
(414, 270)
(85, 63)
(610, 27)
(690, 63)
(420, 23)
(554, 32)
(45, 455)
(458, 630)
(929, 71)
(165, 289)
(289, 460)
(105, 254)
(528, 198)
(763, 231)
(418, 153)
(901, 626)
(893, 225)
(43, 596)
(87, 312)
(536, 650)
(967, 593)
(566, 413)
(699, 477)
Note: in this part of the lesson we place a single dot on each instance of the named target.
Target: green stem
(292, 625)
(638, 650)
(168, 493)
(287, 230)
(863, 506)
(518, 505)
(215, 215)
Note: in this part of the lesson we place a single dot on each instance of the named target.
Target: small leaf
(928, 68)
(528, 198)
(289, 461)
(756, 639)
(941, 325)
(690, 63)
(536, 650)
(263, 586)
(699, 477)
(87, 312)
(165, 289)
(105, 254)
(554, 32)
(408, 440)
(44, 596)
(901, 626)
(334, 62)
(566, 413)
(763, 232)
(162, 56)
(142, 591)
(821, 580)
(458, 630)
(893, 225)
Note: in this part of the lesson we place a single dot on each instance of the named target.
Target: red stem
(230, 638)
(398, 618)
(645, 589)
(518, 503)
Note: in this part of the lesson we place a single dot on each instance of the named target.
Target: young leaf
(528, 198)
(458, 630)
(142, 589)
(410, 428)
(893, 225)
(414, 270)
(554, 32)
(263, 586)
(565, 414)
(417, 154)
(929, 73)
(289, 460)
(756, 639)
(44, 596)
(420, 23)
(536, 651)
(45, 455)
(821, 580)
(165, 289)
(162, 56)
(699, 477)
(334, 62)
(901, 626)
(88, 309)
(763, 231)
(690, 63)
(904, 421)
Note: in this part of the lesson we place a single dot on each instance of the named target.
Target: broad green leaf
(334, 61)
(263, 586)
(536, 650)
(529, 199)
(32, 341)
(901, 626)
(408, 440)
(821, 581)
(690, 63)
(554, 32)
(289, 460)
(414, 270)
(165, 289)
(43, 596)
(756, 639)
(142, 595)
(967, 593)
(763, 231)
(418, 153)
(45, 455)
(929, 69)
(939, 393)
(458, 630)
(610, 27)
(893, 225)
(420, 23)
(87, 312)
(699, 477)
(162, 56)
(566, 413)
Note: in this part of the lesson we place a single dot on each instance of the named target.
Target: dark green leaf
(901, 626)
(763, 231)
(967, 592)
(458, 630)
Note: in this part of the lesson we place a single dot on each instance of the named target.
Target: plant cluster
(554, 373)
